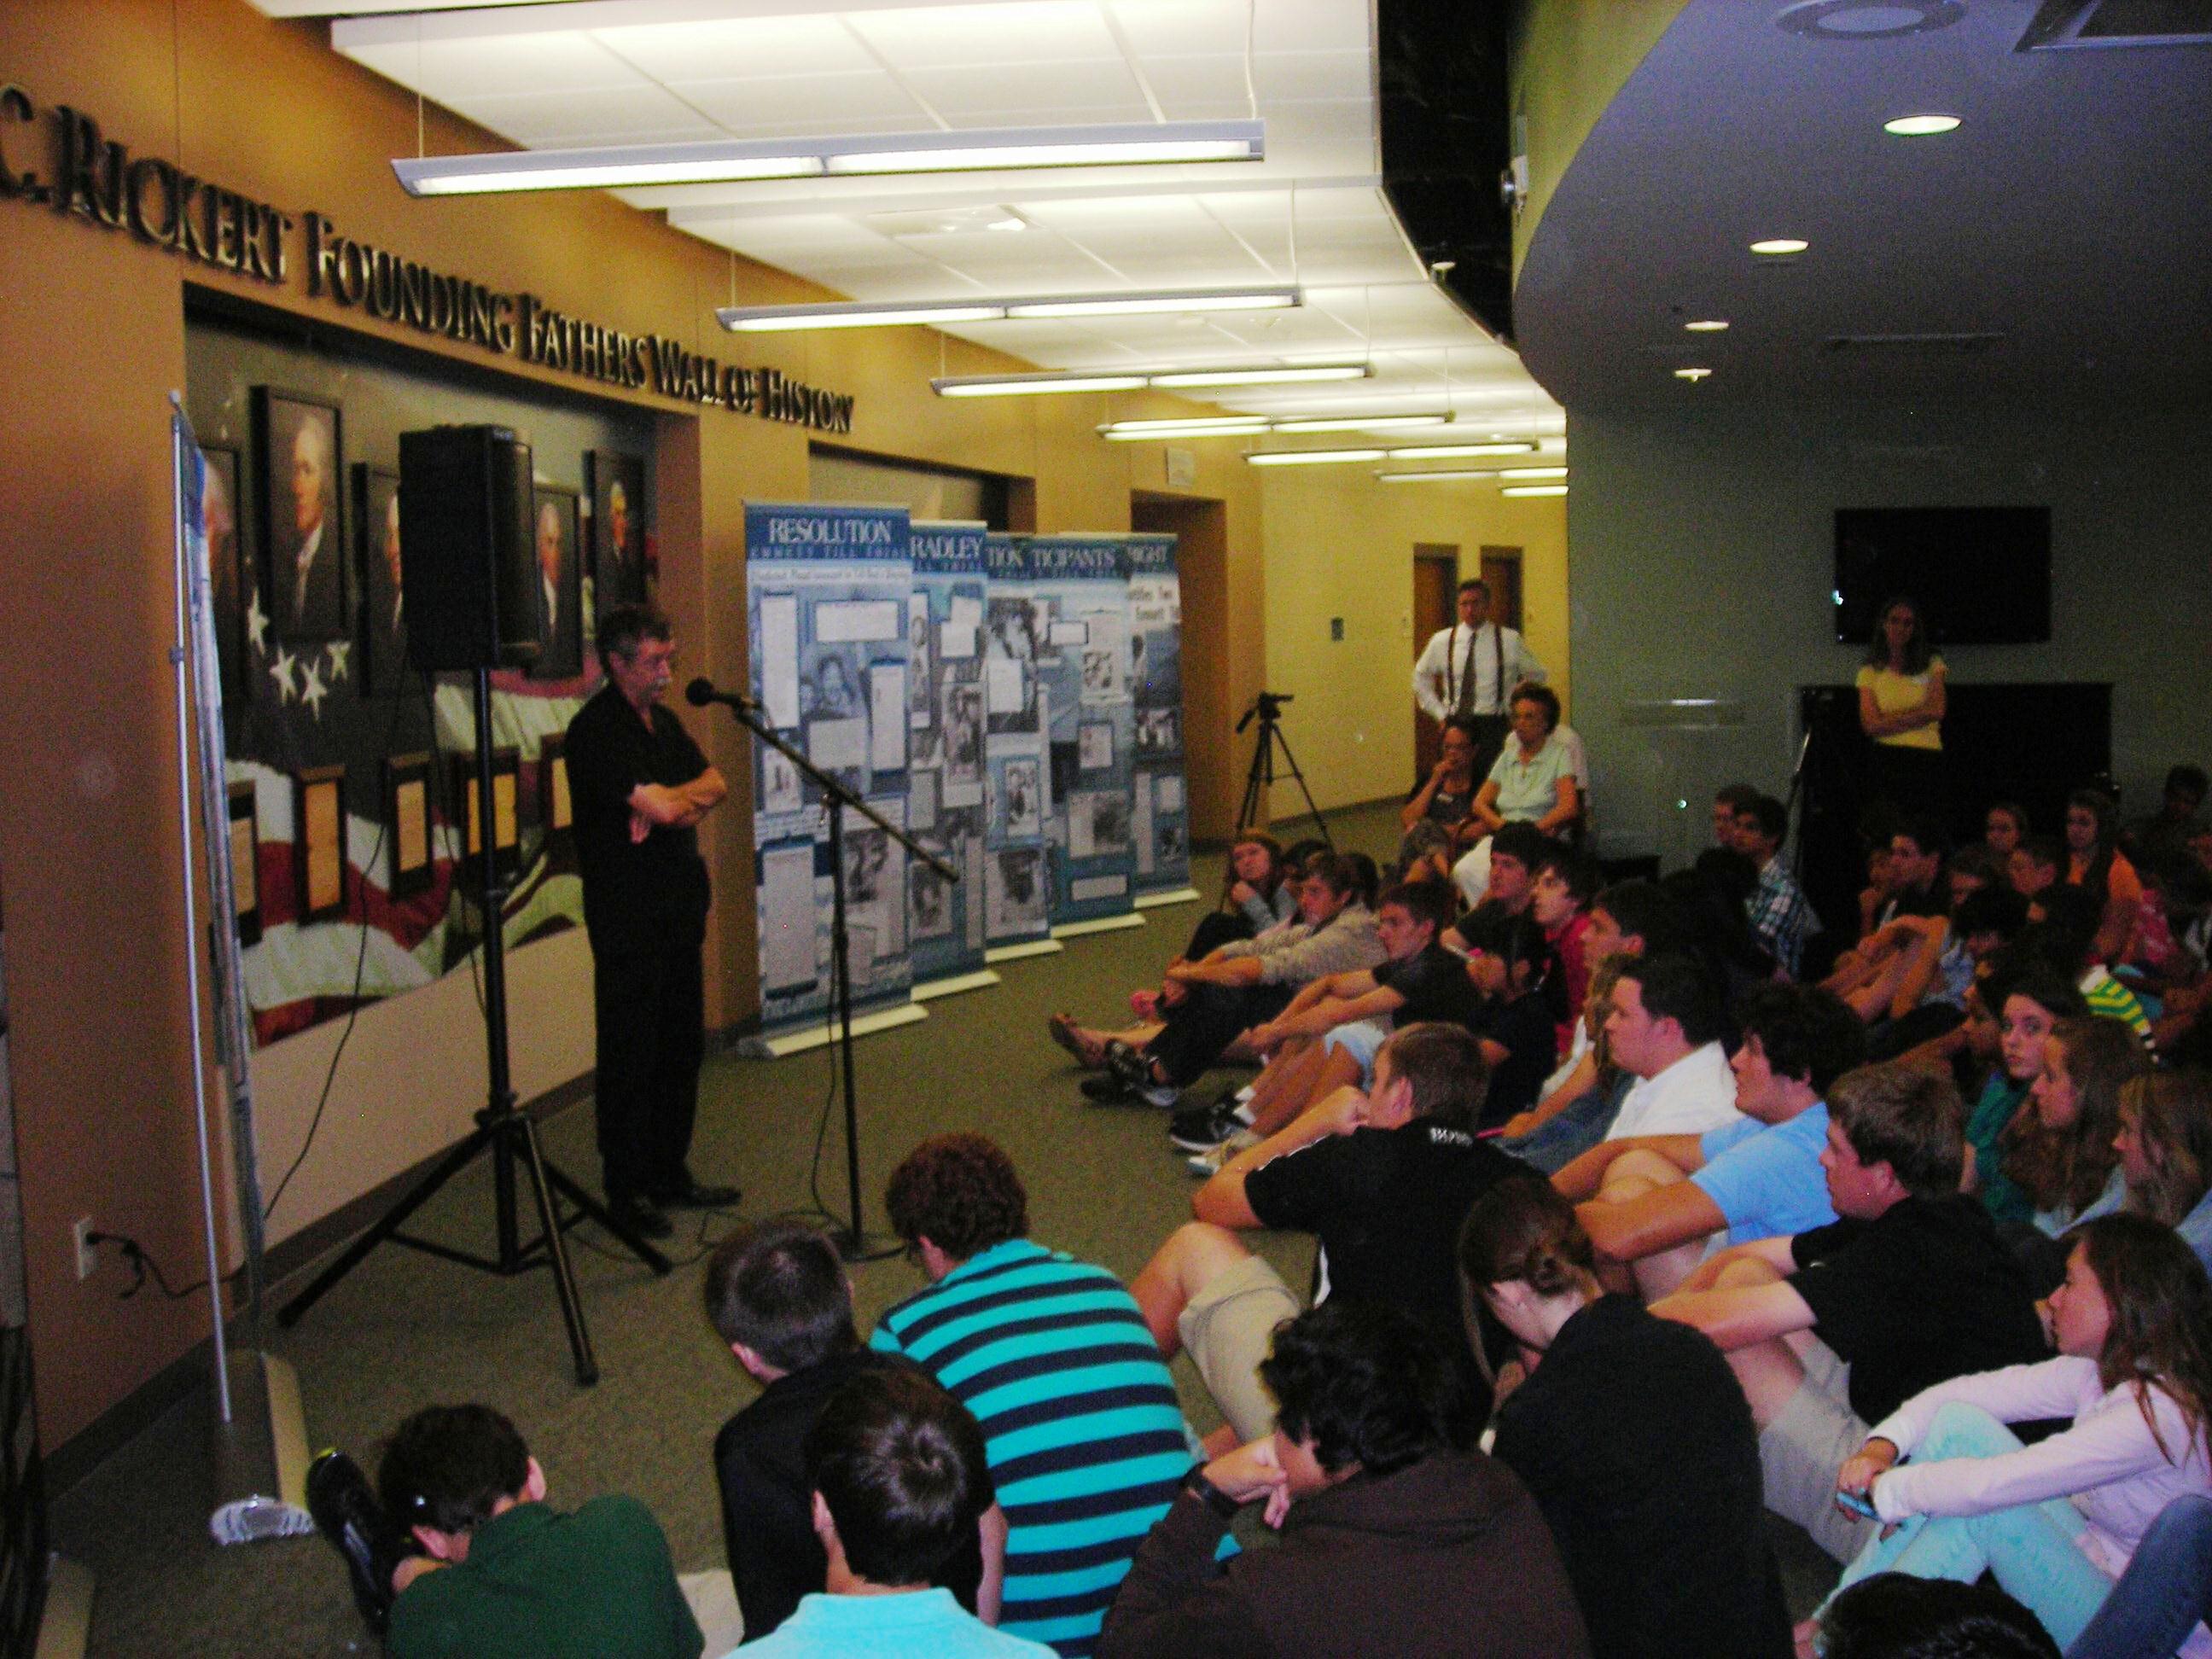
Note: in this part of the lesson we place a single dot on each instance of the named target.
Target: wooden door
(1501, 568)
(1436, 595)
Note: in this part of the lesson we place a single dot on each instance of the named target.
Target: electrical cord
(140, 1265)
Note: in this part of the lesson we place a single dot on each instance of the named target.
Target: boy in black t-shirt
(1832, 1330)
(1384, 1178)
(1515, 983)
(1327, 1038)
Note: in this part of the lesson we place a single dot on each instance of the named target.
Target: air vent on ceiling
(1891, 346)
(2073, 25)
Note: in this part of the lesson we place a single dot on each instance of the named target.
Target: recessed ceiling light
(1920, 126)
(1691, 373)
(1534, 489)
(1707, 325)
(1774, 244)
(1869, 20)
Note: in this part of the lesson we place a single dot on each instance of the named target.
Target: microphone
(702, 692)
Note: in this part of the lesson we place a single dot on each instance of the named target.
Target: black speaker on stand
(470, 578)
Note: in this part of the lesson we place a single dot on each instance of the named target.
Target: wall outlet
(87, 1258)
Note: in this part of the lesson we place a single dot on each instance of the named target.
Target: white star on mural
(312, 689)
(281, 672)
(340, 654)
(257, 623)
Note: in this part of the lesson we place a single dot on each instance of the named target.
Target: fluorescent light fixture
(1920, 126)
(1532, 473)
(1313, 457)
(1170, 429)
(1102, 379)
(1706, 325)
(1024, 386)
(1194, 430)
(771, 319)
(1454, 451)
(1693, 375)
(1357, 423)
(607, 166)
(759, 320)
(1534, 489)
(1459, 472)
(1132, 304)
(1775, 245)
(1188, 377)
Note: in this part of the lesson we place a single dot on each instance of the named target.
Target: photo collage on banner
(827, 614)
(1159, 815)
(1017, 873)
(946, 810)
(1079, 595)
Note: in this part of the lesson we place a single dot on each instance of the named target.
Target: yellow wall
(93, 324)
(1339, 544)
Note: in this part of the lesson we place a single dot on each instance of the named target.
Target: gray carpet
(406, 1329)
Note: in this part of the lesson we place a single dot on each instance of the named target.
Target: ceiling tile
(457, 72)
(1174, 28)
(1310, 77)
(1082, 92)
(741, 48)
(949, 37)
(762, 107)
(639, 115)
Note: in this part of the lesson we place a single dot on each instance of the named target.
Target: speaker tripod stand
(509, 1135)
(1267, 709)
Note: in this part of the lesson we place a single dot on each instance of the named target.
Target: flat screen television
(1980, 574)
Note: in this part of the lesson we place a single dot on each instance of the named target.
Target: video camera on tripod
(1268, 707)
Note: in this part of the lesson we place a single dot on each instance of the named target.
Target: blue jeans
(2167, 1588)
(2032, 1549)
(1577, 1127)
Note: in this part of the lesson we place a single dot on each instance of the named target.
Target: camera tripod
(1267, 709)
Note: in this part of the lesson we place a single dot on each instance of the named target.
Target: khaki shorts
(1802, 1450)
(1227, 1329)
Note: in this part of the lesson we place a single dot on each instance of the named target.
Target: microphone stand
(853, 1244)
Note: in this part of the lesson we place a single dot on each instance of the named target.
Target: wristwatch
(1212, 1496)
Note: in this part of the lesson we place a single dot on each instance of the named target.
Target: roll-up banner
(1080, 604)
(1017, 872)
(827, 607)
(1159, 811)
(945, 809)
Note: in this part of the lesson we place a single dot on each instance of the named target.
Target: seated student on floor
(2030, 997)
(2035, 865)
(2058, 1150)
(1384, 1179)
(1894, 1616)
(1585, 1095)
(1516, 1017)
(2055, 1522)
(2165, 1147)
(1326, 1038)
(1910, 884)
(2095, 864)
(1651, 1205)
(1633, 1436)
(502, 1572)
(1397, 1536)
(1560, 899)
(2064, 931)
(1833, 1329)
(777, 1293)
(1921, 996)
(1247, 982)
(1666, 1028)
(1781, 916)
(898, 1479)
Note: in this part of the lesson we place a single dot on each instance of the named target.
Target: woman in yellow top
(1901, 709)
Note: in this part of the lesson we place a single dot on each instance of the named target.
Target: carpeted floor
(406, 1329)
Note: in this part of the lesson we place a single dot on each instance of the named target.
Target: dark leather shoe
(346, 1512)
(697, 1195)
(1107, 1089)
(638, 1215)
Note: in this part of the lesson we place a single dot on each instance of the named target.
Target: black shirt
(638, 895)
(767, 1508)
(1523, 1027)
(1435, 984)
(1637, 1444)
(1387, 1205)
(1925, 1293)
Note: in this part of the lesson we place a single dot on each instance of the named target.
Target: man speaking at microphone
(640, 786)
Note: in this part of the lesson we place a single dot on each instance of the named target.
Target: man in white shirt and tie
(1471, 668)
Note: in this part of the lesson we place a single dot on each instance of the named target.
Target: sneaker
(1107, 1089)
(1166, 1096)
(1208, 1163)
(1129, 1067)
(346, 1512)
(1205, 1126)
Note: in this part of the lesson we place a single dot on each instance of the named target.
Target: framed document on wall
(556, 813)
(245, 862)
(407, 822)
(505, 795)
(318, 830)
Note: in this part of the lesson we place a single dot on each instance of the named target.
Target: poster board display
(826, 609)
(945, 809)
(1159, 807)
(1079, 595)
(1016, 871)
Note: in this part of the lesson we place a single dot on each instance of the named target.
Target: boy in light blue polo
(1653, 1206)
(900, 1480)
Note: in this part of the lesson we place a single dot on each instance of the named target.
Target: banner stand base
(1028, 947)
(1175, 896)
(954, 984)
(787, 1043)
(1098, 925)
